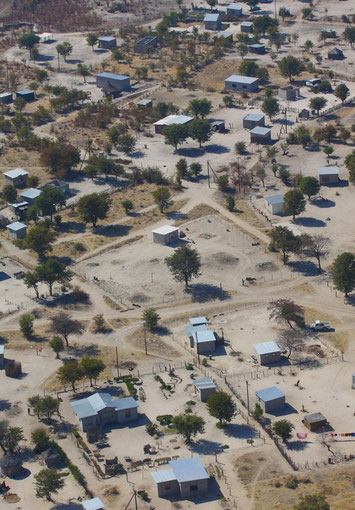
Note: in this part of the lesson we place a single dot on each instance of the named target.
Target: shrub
(152, 429)
(165, 419)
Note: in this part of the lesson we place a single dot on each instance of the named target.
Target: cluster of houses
(26, 94)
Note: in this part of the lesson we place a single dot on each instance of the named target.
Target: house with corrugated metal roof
(239, 83)
(185, 477)
(170, 120)
(271, 399)
(112, 83)
(204, 388)
(268, 352)
(212, 21)
(16, 177)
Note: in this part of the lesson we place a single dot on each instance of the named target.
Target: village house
(238, 83)
(336, 54)
(92, 504)
(113, 83)
(212, 21)
(26, 94)
(185, 478)
(235, 10)
(204, 388)
(252, 120)
(16, 177)
(147, 44)
(274, 203)
(16, 230)
(271, 399)
(107, 43)
(260, 134)
(289, 93)
(246, 27)
(268, 352)
(30, 195)
(328, 175)
(170, 120)
(6, 98)
(166, 234)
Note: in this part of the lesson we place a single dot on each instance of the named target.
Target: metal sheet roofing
(173, 119)
(93, 504)
(6, 94)
(31, 193)
(257, 45)
(274, 199)
(90, 406)
(247, 80)
(204, 383)
(2, 348)
(166, 229)
(211, 17)
(144, 102)
(246, 24)
(314, 418)
(269, 394)
(188, 470)
(223, 35)
(107, 38)
(260, 130)
(266, 347)
(166, 475)
(195, 321)
(255, 117)
(17, 225)
(16, 172)
(204, 336)
(234, 7)
(191, 330)
(328, 170)
(24, 91)
(112, 76)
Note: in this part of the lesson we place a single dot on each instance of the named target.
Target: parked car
(255, 8)
(313, 82)
(319, 326)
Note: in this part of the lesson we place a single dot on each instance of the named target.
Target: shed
(93, 504)
(289, 93)
(13, 368)
(260, 134)
(112, 83)
(212, 21)
(185, 478)
(45, 37)
(204, 341)
(258, 48)
(247, 27)
(271, 399)
(17, 177)
(336, 54)
(2, 356)
(147, 44)
(239, 83)
(328, 32)
(170, 120)
(30, 195)
(196, 324)
(328, 175)
(16, 230)
(11, 464)
(20, 208)
(26, 94)
(198, 321)
(166, 234)
(315, 421)
(274, 203)
(217, 125)
(145, 103)
(6, 98)
(59, 185)
(235, 10)
(252, 120)
(268, 352)
(204, 388)
(107, 43)
(52, 458)
(304, 114)
(228, 36)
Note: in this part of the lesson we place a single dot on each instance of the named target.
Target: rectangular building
(274, 203)
(238, 83)
(328, 175)
(203, 341)
(107, 43)
(212, 21)
(113, 83)
(268, 352)
(252, 120)
(30, 195)
(235, 10)
(170, 120)
(204, 388)
(26, 94)
(260, 134)
(16, 177)
(289, 93)
(257, 48)
(165, 235)
(16, 230)
(315, 422)
(6, 98)
(147, 44)
(271, 399)
(247, 27)
(186, 478)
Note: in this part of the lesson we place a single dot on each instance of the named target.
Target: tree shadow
(4, 405)
(205, 447)
(112, 230)
(72, 226)
(162, 331)
(28, 455)
(240, 431)
(323, 203)
(202, 292)
(215, 148)
(305, 267)
(309, 222)
(75, 61)
(176, 215)
(66, 506)
(297, 446)
(137, 155)
(44, 58)
(288, 409)
(80, 350)
(4, 276)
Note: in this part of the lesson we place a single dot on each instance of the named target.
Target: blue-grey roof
(191, 330)
(247, 80)
(2, 348)
(328, 170)
(90, 406)
(20, 204)
(107, 38)
(166, 475)
(234, 7)
(188, 470)
(260, 130)
(204, 383)
(92, 504)
(246, 24)
(173, 119)
(112, 76)
(16, 172)
(6, 94)
(255, 117)
(31, 193)
(257, 45)
(195, 321)
(274, 199)
(144, 102)
(223, 35)
(24, 91)
(211, 17)
(266, 347)
(16, 226)
(204, 336)
(269, 394)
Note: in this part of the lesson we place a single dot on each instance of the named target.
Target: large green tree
(184, 264)
(57, 344)
(284, 240)
(309, 186)
(349, 35)
(39, 239)
(9, 193)
(48, 482)
(150, 318)
(63, 324)
(175, 134)
(317, 103)
(283, 429)
(344, 272)
(59, 158)
(290, 66)
(220, 405)
(200, 107)
(28, 41)
(162, 198)
(92, 367)
(94, 207)
(350, 165)
(47, 406)
(51, 271)
(49, 200)
(188, 425)
(270, 106)
(294, 203)
(263, 23)
(31, 281)
(200, 130)
(342, 91)
(71, 373)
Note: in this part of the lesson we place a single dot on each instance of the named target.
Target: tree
(26, 325)
(92, 40)
(290, 66)
(261, 173)
(284, 12)
(291, 340)
(243, 50)
(92, 368)
(286, 311)
(32, 403)
(223, 183)
(196, 169)
(316, 246)
(328, 150)
(83, 71)
(51, 271)
(262, 23)
(48, 482)
(344, 272)
(342, 91)
(39, 239)
(127, 205)
(31, 281)
(283, 239)
(184, 264)
(263, 75)
(344, 135)
(70, 373)
(270, 107)
(200, 130)
(302, 135)
(175, 134)
(248, 68)
(126, 143)
(312, 502)
(240, 147)
(162, 198)
(307, 12)
(12, 436)
(57, 344)
(40, 439)
(349, 35)
(150, 318)
(9, 193)
(94, 207)
(350, 165)
(230, 203)
(317, 103)
(283, 429)
(258, 411)
(293, 203)
(64, 49)
(200, 107)
(188, 425)
(211, 3)
(28, 41)
(308, 45)
(64, 325)
(59, 158)
(49, 200)
(47, 406)
(309, 186)
(220, 405)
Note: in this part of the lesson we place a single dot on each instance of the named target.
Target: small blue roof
(188, 470)
(191, 330)
(254, 117)
(107, 38)
(211, 17)
(257, 45)
(204, 383)
(90, 406)
(2, 348)
(269, 394)
(246, 24)
(24, 92)
(328, 170)
(93, 504)
(31, 193)
(112, 76)
(274, 199)
(247, 80)
(234, 7)
(260, 130)
(195, 321)
(205, 336)
(16, 172)
(144, 102)
(16, 226)
(166, 475)
(266, 347)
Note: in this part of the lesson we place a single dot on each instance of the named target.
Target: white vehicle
(312, 82)
(319, 326)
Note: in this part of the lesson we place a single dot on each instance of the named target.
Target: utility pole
(247, 384)
(275, 10)
(118, 370)
(208, 174)
(145, 340)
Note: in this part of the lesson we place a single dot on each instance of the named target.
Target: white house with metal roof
(204, 388)
(101, 409)
(274, 203)
(268, 352)
(16, 177)
(171, 120)
(271, 399)
(252, 120)
(260, 134)
(30, 195)
(203, 341)
(16, 230)
(112, 83)
(166, 234)
(186, 478)
(328, 175)
(238, 83)
(212, 21)
(93, 504)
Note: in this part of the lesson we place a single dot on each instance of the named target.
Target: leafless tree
(291, 340)
(286, 311)
(316, 247)
(64, 325)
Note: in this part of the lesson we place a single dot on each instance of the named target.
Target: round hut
(11, 464)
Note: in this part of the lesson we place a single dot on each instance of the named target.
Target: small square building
(252, 120)
(315, 422)
(6, 98)
(107, 43)
(203, 341)
(234, 10)
(112, 84)
(336, 54)
(185, 478)
(247, 27)
(26, 94)
(145, 103)
(289, 93)
(257, 48)
(212, 21)
(30, 195)
(260, 134)
(328, 175)
(16, 177)
(204, 388)
(274, 203)
(148, 44)
(268, 353)
(271, 399)
(16, 230)
(165, 235)
(92, 504)
(238, 83)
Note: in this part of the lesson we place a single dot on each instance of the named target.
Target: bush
(292, 483)
(190, 403)
(165, 419)
(80, 247)
(152, 429)
(189, 366)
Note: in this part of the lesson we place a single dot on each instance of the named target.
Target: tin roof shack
(26, 94)
(196, 324)
(289, 93)
(212, 21)
(274, 203)
(268, 352)
(257, 48)
(2, 356)
(204, 388)
(247, 27)
(17, 177)
(170, 120)
(336, 54)
(145, 103)
(203, 341)
(113, 84)
(186, 478)
(271, 399)
(6, 98)
(252, 120)
(11, 465)
(234, 10)
(147, 44)
(16, 230)
(107, 43)
(238, 83)
(52, 458)
(227, 36)
(304, 114)
(260, 134)
(328, 33)
(45, 37)
(315, 422)
(101, 409)
(59, 185)
(165, 235)
(13, 368)
(217, 125)
(328, 175)
(93, 504)
(30, 195)
(20, 208)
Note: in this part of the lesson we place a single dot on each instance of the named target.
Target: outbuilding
(52, 458)
(30, 195)
(247, 27)
(145, 103)
(11, 464)
(93, 504)
(315, 422)
(107, 43)
(328, 175)
(45, 37)
(196, 324)
(112, 83)
(16, 230)
(170, 120)
(16, 177)
(185, 477)
(235, 10)
(203, 341)
(268, 352)
(26, 94)
(2, 356)
(328, 33)
(226, 36)
(271, 399)
(239, 83)
(6, 98)
(20, 208)
(258, 48)
(260, 134)
(289, 93)
(147, 44)
(212, 21)
(274, 203)
(336, 54)
(59, 185)
(165, 235)
(204, 388)
(252, 120)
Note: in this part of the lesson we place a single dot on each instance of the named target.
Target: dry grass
(111, 303)
(19, 157)
(199, 211)
(15, 340)
(155, 344)
(304, 288)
